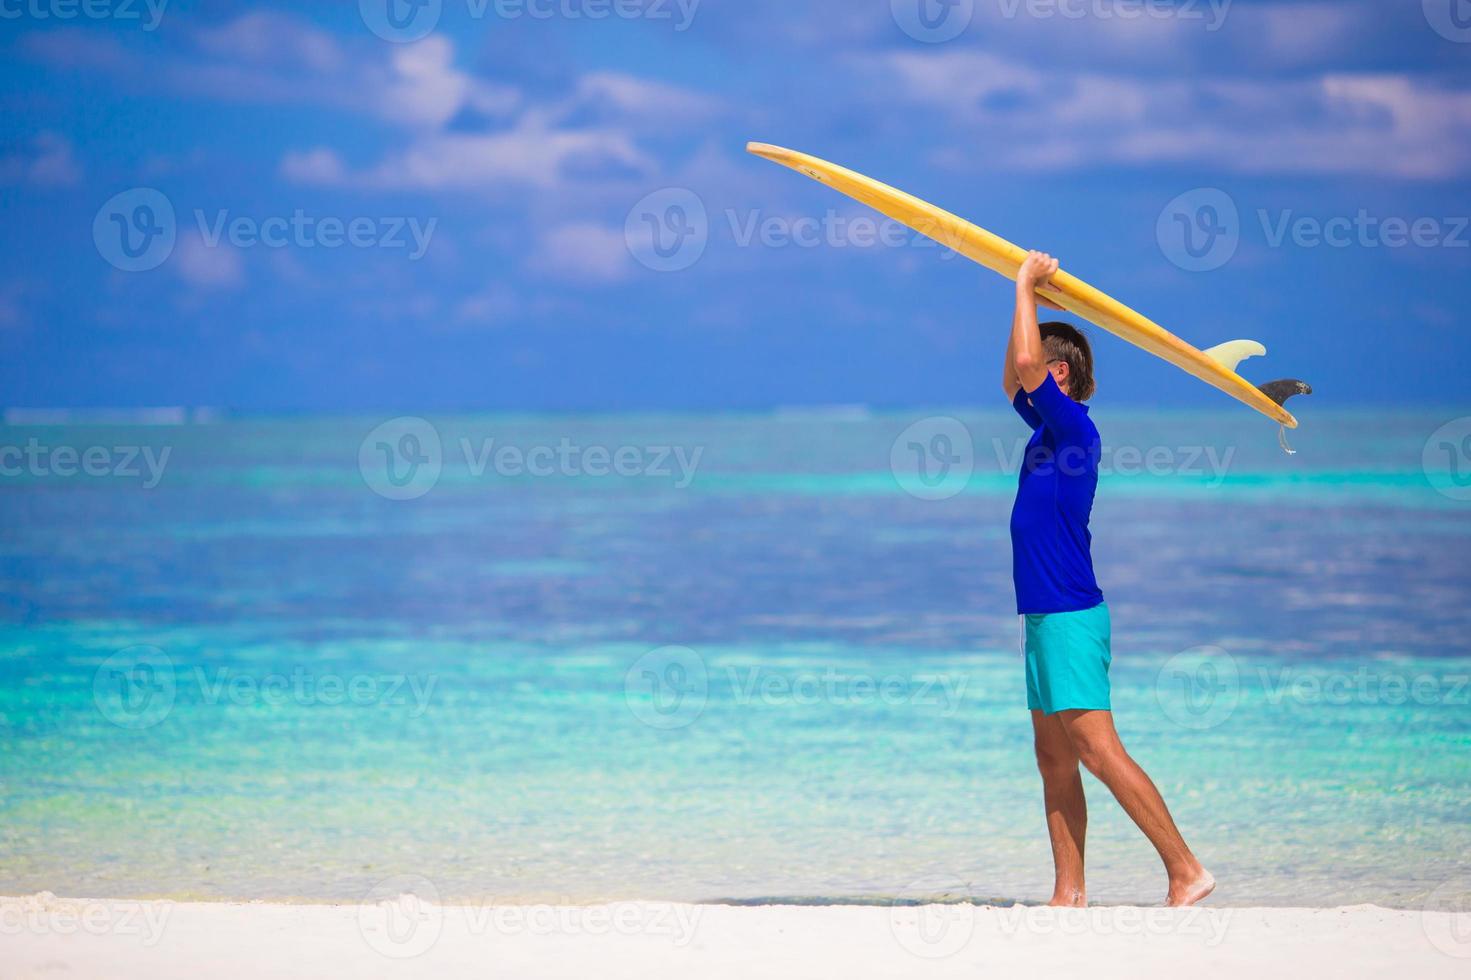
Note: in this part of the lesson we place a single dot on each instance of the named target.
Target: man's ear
(1064, 370)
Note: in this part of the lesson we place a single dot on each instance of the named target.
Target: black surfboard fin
(1280, 391)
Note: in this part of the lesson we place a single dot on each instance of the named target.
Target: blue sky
(523, 139)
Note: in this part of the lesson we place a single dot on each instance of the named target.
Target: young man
(1048, 374)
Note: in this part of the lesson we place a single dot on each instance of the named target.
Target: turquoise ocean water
(734, 657)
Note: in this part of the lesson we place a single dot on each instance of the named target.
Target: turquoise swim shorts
(1067, 658)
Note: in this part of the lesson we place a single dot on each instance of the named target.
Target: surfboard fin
(1280, 391)
(1233, 352)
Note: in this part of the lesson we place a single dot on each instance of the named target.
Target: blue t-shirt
(1051, 563)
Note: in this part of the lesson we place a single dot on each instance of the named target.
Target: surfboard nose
(777, 154)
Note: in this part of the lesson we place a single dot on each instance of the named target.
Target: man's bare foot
(1069, 898)
(1189, 891)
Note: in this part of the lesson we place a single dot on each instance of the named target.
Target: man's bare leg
(1067, 810)
(1098, 747)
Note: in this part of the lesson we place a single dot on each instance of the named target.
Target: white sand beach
(43, 936)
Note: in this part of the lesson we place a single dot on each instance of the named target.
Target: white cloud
(317, 166)
(582, 252)
(529, 156)
(494, 305)
(632, 97)
(11, 313)
(1306, 31)
(207, 267)
(48, 162)
(423, 87)
(279, 59)
(267, 37)
(1379, 124)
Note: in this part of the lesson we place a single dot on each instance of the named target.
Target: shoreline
(121, 937)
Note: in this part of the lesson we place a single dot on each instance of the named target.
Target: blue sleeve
(1064, 418)
(1025, 410)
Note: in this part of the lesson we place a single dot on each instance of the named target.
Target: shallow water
(757, 667)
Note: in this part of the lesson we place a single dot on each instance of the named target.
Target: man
(1048, 374)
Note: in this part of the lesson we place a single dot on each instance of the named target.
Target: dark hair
(1065, 342)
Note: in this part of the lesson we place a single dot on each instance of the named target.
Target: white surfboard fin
(1233, 352)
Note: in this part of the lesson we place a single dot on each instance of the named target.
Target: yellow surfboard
(1216, 366)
